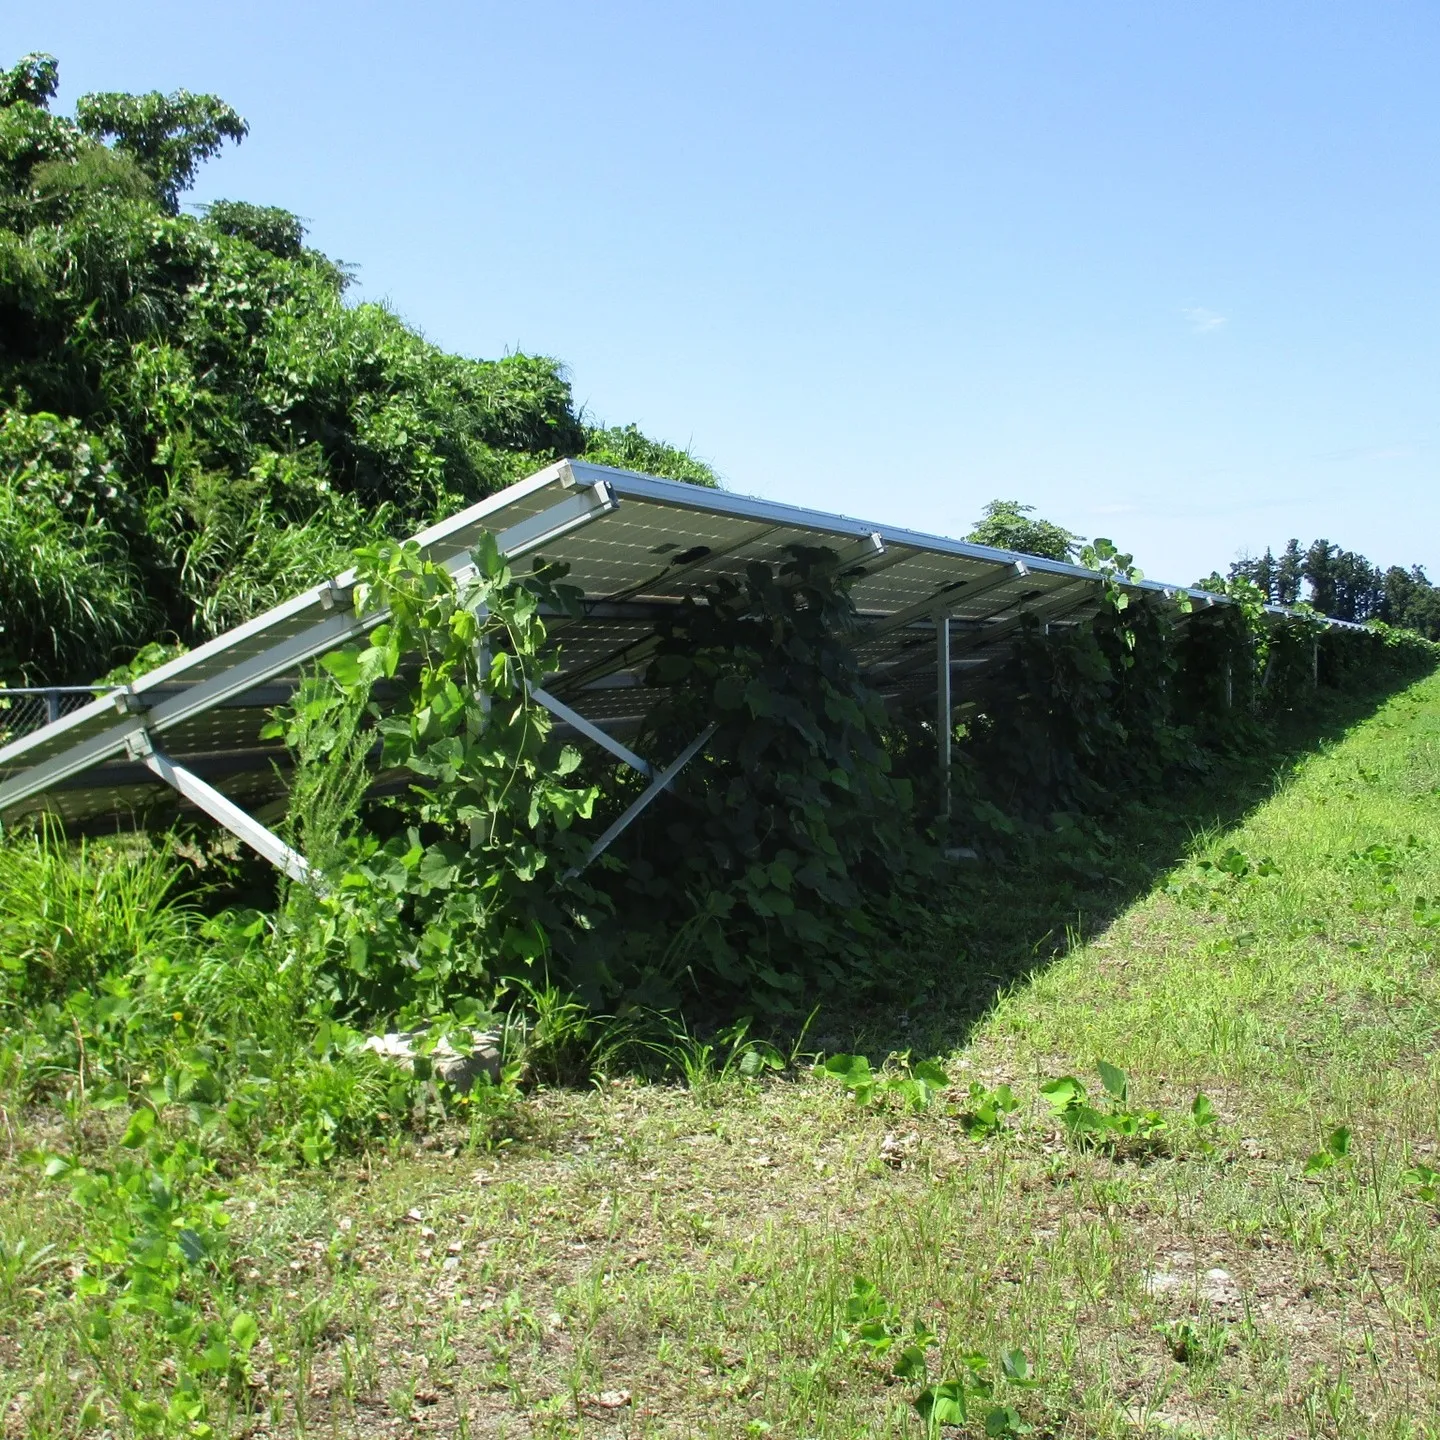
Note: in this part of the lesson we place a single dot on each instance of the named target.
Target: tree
(33, 81)
(194, 421)
(1319, 570)
(170, 136)
(1410, 600)
(1006, 526)
(29, 134)
(1289, 572)
(267, 227)
(1261, 573)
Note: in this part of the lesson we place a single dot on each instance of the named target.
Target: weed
(1335, 1151)
(153, 1259)
(1237, 865)
(1117, 1128)
(948, 1403)
(1198, 1344)
(915, 1083)
(1426, 1182)
(987, 1109)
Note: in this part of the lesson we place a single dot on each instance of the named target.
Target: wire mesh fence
(23, 711)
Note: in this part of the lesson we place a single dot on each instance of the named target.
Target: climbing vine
(458, 879)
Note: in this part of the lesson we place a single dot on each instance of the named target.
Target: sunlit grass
(659, 1260)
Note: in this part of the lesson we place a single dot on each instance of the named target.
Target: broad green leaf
(142, 1122)
(911, 1365)
(943, 1404)
(1016, 1368)
(1003, 1420)
(1114, 1080)
(1063, 1093)
(344, 665)
(851, 1069)
(244, 1331)
(192, 1247)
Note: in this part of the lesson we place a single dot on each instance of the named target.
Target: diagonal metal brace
(641, 801)
(223, 811)
(591, 731)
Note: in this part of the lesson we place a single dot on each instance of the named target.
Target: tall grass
(69, 595)
(72, 913)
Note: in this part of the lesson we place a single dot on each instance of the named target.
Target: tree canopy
(196, 419)
(1345, 585)
(1007, 525)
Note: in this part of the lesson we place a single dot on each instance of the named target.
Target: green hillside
(195, 422)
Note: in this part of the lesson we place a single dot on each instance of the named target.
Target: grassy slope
(647, 1260)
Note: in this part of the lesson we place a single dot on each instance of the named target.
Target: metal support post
(223, 811)
(943, 707)
(1229, 686)
(1315, 663)
(642, 801)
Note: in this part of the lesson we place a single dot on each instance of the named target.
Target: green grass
(644, 1260)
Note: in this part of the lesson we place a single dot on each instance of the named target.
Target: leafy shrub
(69, 590)
(1117, 1128)
(915, 1082)
(467, 889)
(153, 1272)
(252, 426)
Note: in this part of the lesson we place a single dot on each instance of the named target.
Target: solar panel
(635, 546)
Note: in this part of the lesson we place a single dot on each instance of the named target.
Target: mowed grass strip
(647, 1260)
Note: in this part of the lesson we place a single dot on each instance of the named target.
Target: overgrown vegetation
(194, 422)
(1179, 1175)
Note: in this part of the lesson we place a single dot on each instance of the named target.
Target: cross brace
(642, 801)
(590, 730)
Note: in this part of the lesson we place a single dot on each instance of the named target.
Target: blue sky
(1167, 272)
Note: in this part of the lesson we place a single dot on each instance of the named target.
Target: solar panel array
(634, 545)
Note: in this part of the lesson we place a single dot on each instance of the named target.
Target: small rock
(896, 1151)
(458, 1068)
(1219, 1287)
(1162, 1282)
(613, 1399)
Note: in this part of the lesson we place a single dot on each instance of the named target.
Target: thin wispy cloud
(1371, 453)
(1203, 321)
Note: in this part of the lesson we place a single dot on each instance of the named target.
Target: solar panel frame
(617, 530)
